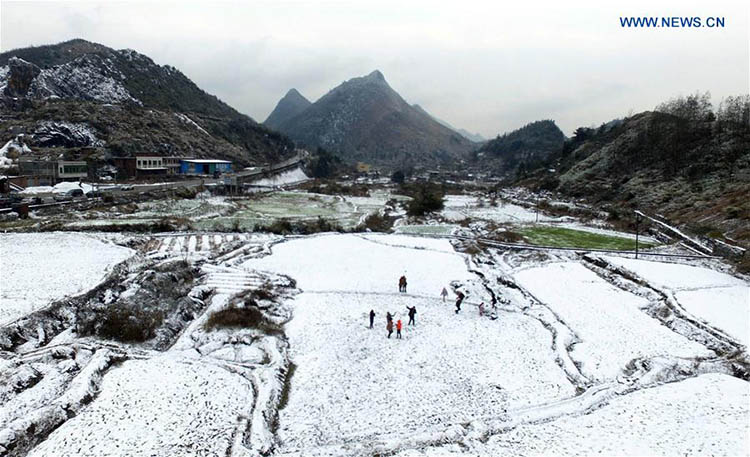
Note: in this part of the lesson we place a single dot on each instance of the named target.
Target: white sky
(485, 67)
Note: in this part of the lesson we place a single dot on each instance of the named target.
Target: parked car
(127, 187)
(93, 194)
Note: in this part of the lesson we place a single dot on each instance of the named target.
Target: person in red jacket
(398, 329)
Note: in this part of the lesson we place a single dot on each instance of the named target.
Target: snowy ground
(160, 406)
(40, 267)
(611, 328)
(362, 264)
(447, 369)
(714, 297)
(706, 415)
(575, 362)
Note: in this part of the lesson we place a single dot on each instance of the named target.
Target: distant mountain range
(129, 103)
(364, 119)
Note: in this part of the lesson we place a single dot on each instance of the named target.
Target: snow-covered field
(160, 406)
(705, 415)
(608, 322)
(37, 268)
(573, 362)
(446, 370)
(459, 207)
(716, 298)
(360, 264)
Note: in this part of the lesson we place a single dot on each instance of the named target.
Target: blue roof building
(204, 166)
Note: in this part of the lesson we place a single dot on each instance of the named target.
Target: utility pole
(637, 222)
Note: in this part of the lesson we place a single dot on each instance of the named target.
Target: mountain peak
(294, 94)
(289, 106)
(376, 76)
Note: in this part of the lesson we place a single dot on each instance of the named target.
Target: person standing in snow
(481, 309)
(389, 327)
(459, 300)
(402, 284)
(398, 329)
(372, 317)
(412, 313)
(444, 294)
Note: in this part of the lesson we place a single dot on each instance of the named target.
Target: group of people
(389, 321)
(398, 325)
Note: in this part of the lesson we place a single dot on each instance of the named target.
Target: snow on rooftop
(205, 161)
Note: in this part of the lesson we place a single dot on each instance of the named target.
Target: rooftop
(205, 161)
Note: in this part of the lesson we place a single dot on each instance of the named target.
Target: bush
(376, 222)
(425, 199)
(247, 316)
(507, 237)
(129, 324)
(286, 227)
(732, 212)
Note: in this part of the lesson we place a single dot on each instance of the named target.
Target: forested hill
(522, 149)
(684, 160)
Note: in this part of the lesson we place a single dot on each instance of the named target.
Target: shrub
(247, 316)
(425, 199)
(129, 324)
(732, 212)
(376, 222)
(507, 236)
(286, 227)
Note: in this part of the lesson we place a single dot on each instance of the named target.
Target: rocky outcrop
(20, 76)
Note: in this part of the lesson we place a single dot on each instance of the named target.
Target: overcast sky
(485, 67)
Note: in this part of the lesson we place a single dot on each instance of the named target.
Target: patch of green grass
(570, 238)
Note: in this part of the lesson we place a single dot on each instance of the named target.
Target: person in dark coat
(402, 284)
(389, 327)
(412, 313)
(459, 300)
(372, 317)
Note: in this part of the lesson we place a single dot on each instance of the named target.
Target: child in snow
(398, 329)
(459, 300)
(372, 317)
(481, 309)
(389, 327)
(444, 294)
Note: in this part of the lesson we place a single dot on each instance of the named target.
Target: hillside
(289, 106)
(474, 137)
(520, 149)
(695, 173)
(364, 119)
(84, 76)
